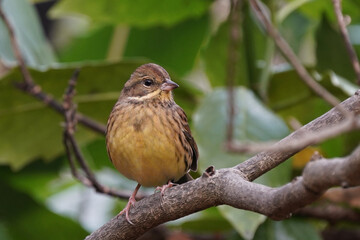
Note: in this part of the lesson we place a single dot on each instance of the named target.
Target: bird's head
(147, 82)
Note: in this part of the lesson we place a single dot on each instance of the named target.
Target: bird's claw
(131, 201)
(127, 209)
(164, 187)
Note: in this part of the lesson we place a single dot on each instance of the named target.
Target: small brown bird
(148, 136)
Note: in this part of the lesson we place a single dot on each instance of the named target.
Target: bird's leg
(131, 201)
(164, 187)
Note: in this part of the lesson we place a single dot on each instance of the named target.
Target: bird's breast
(143, 144)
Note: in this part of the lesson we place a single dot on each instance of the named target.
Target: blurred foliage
(140, 13)
(29, 34)
(188, 38)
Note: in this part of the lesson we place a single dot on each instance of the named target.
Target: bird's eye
(148, 82)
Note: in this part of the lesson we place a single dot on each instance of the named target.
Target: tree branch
(322, 126)
(228, 186)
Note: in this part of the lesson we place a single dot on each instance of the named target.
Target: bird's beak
(169, 85)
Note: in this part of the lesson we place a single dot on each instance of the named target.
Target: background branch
(347, 125)
(288, 53)
(344, 33)
(234, 37)
(31, 88)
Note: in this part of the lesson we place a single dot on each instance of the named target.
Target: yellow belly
(145, 150)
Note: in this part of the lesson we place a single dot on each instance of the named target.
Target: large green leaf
(253, 122)
(175, 48)
(31, 130)
(29, 34)
(92, 46)
(142, 13)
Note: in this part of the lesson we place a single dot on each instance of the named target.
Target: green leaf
(202, 222)
(23, 218)
(315, 10)
(253, 121)
(289, 8)
(141, 13)
(294, 29)
(36, 179)
(215, 55)
(252, 49)
(175, 48)
(28, 32)
(336, 59)
(244, 222)
(32, 130)
(290, 229)
(91, 46)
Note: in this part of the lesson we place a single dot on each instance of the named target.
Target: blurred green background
(39, 199)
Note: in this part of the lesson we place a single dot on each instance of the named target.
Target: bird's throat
(158, 94)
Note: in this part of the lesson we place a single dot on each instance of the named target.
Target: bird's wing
(189, 138)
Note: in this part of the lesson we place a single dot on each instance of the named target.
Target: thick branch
(227, 186)
(267, 160)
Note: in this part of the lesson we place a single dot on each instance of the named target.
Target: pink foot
(131, 201)
(126, 210)
(164, 187)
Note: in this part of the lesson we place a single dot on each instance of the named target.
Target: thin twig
(234, 36)
(306, 139)
(31, 88)
(74, 171)
(72, 146)
(288, 53)
(16, 49)
(344, 33)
